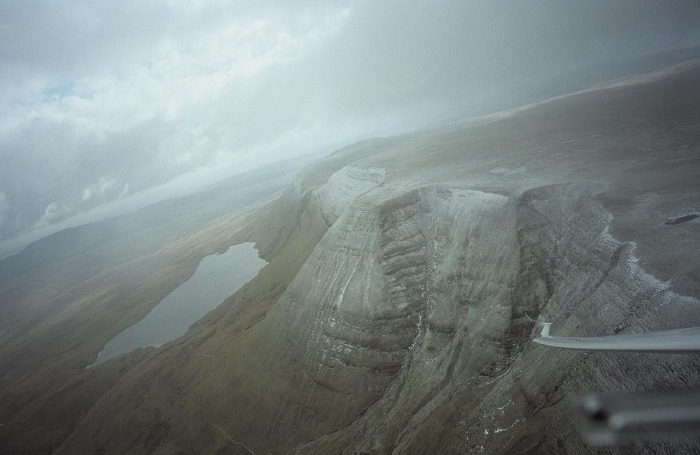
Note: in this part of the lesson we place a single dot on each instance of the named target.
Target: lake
(217, 277)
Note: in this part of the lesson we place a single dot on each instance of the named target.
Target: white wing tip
(545, 329)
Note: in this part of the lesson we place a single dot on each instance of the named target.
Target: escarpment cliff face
(406, 277)
(481, 270)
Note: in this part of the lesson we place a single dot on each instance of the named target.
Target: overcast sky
(101, 100)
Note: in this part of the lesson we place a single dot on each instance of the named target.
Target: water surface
(217, 277)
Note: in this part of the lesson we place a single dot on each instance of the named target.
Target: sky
(106, 101)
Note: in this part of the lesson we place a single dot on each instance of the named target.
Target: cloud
(104, 100)
(4, 209)
(103, 187)
(52, 213)
(137, 116)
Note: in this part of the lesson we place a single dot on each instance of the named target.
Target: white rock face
(383, 282)
(344, 187)
(412, 300)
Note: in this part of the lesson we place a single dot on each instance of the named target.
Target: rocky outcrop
(442, 354)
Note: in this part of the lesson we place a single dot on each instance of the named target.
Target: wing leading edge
(670, 341)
